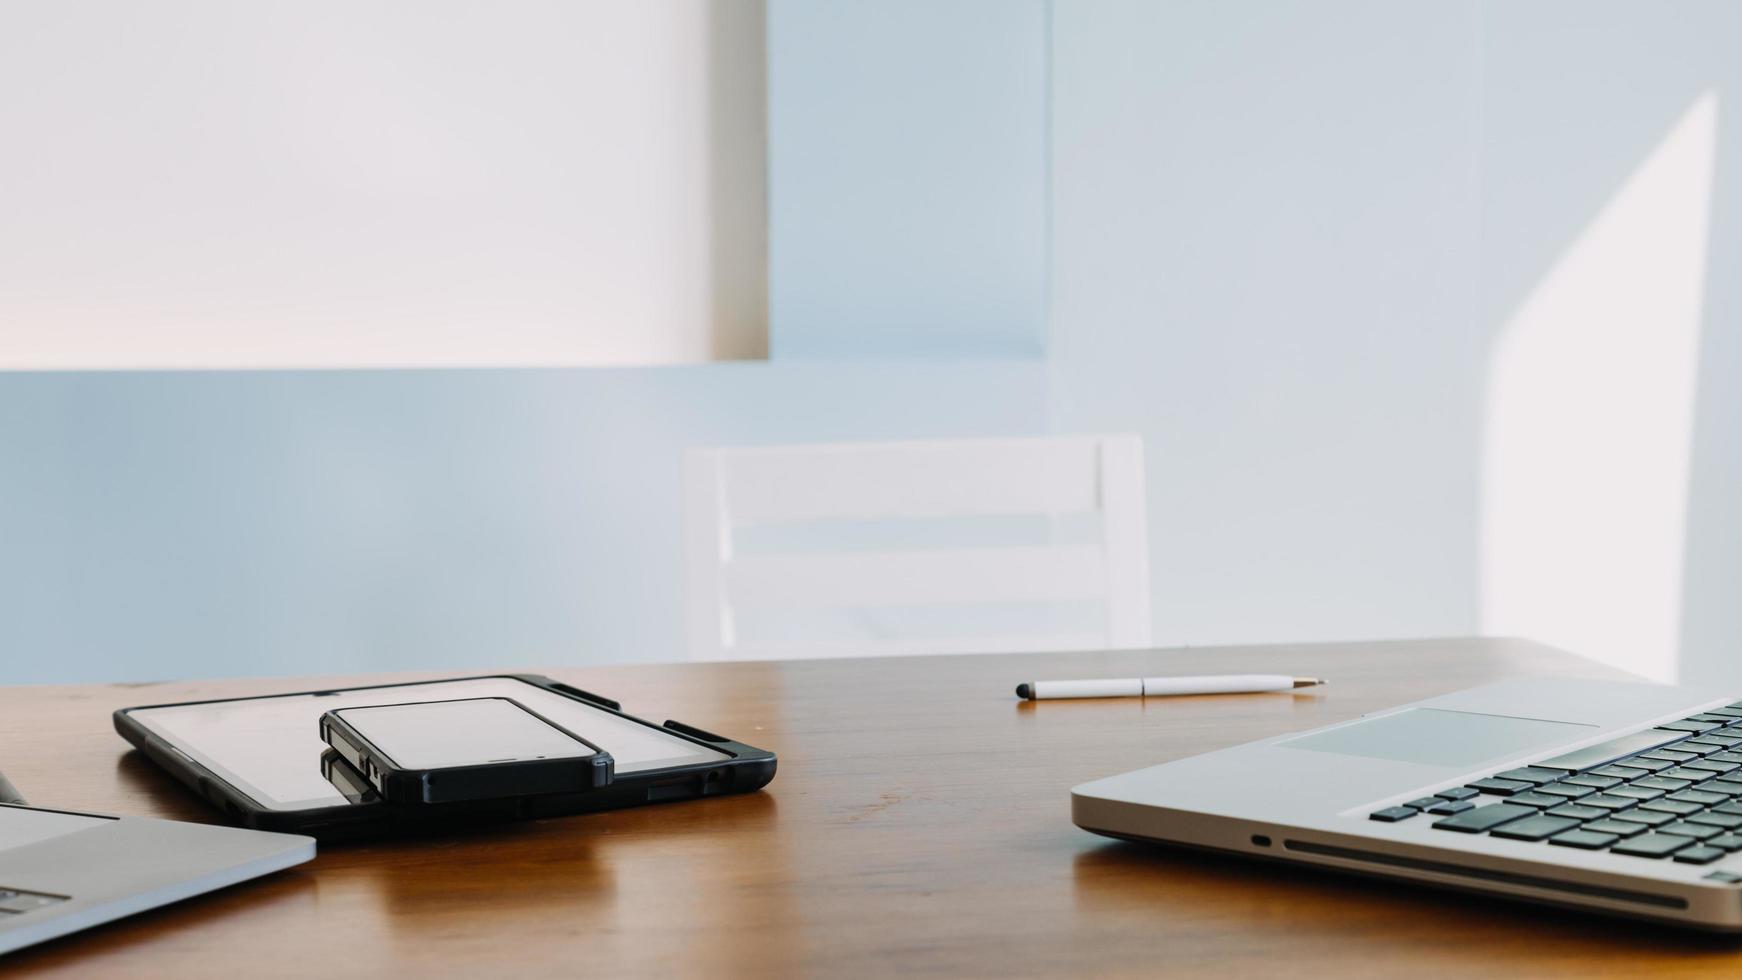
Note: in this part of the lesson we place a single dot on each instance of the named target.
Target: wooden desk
(919, 826)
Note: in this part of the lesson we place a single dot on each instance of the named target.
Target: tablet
(259, 758)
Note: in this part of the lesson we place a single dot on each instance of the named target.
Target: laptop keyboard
(1672, 791)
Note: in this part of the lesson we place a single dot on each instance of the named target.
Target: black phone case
(453, 784)
(748, 769)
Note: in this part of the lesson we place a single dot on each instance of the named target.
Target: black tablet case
(748, 769)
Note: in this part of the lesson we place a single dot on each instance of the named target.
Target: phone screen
(443, 734)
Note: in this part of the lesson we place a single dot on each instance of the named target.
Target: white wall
(1287, 239)
(201, 183)
(1423, 308)
(171, 524)
(1263, 255)
(1594, 110)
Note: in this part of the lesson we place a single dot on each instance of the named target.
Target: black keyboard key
(1698, 746)
(1722, 738)
(1620, 770)
(1650, 818)
(1731, 712)
(1498, 787)
(1651, 845)
(1670, 755)
(1593, 780)
(1688, 726)
(1562, 789)
(1714, 765)
(1584, 839)
(1578, 812)
(1606, 802)
(1448, 807)
(1699, 855)
(1734, 806)
(1698, 831)
(1729, 842)
(1688, 773)
(1727, 787)
(1457, 793)
(1699, 796)
(1713, 717)
(1484, 818)
(1531, 774)
(1662, 782)
(1636, 762)
(1728, 821)
(1603, 753)
(1538, 800)
(1617, 828)
(1533, 828)
(1636, 792)
(1728, 755)
(1667, 805)
(1425, 802)
(1392, 814)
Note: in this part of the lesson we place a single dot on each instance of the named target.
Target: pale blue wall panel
(907, 178)
(157, 525)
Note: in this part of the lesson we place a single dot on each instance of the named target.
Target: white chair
(753, 517)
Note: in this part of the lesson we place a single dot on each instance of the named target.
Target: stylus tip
(1309, 681)
(1023, 690)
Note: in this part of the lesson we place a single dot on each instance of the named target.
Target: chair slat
(917, 577)
(920, 646)
(778, 485)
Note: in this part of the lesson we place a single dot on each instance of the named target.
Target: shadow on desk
(547, 894)
(141, 777)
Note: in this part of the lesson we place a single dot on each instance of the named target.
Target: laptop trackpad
(1435, 737)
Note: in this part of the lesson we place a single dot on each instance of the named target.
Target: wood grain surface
(919, 825)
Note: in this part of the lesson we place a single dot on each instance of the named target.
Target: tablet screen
(270, 747)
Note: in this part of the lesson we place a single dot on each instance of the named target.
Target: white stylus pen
(1149, 687)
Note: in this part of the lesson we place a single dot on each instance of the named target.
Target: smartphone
(432, 752)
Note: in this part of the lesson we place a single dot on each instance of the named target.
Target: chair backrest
(742, 505)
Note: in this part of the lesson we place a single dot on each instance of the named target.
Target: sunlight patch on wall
(1589, 421)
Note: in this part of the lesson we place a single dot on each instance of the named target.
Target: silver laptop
(1614, 797)
(61, 872)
